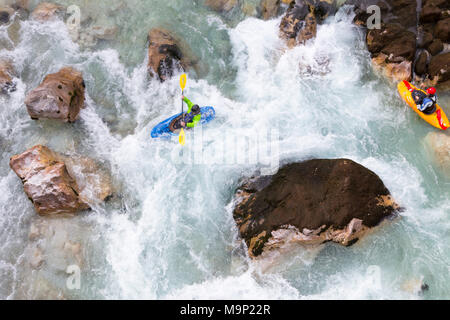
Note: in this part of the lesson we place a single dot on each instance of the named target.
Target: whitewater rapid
(169, 232)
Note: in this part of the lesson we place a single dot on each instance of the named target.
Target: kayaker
(425, 102)
(193, 115)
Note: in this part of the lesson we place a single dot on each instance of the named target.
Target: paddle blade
(183, 81)
(182, 137)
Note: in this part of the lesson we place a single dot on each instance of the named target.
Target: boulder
(435, 47)
(46, 182)
(442, 30)
(430, 13)
(5, 14)
(6, 72)
(293, 22)
(421, 63)
(269, 8)
(438, 144)
(60, 96)
(60, 184)
(393, 40)
(46, 11)
(221, 5)
(425, 39)
(164, 54)
(322, 8)
(439, 67)
(310, 203)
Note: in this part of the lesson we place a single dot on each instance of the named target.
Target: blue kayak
(163, 128)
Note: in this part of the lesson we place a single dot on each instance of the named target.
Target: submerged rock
(49, 181)
(221, 5)
(164, 54)
(438, 144)
(299, 24)
(269, 8)
(5, 14)
(310, 203)
(442, 30)
(60, 96)
(6, 72)
(47, 11)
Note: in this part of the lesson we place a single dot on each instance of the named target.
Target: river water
(169, 233)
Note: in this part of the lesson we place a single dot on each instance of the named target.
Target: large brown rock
(47, 11)
(59, 184)
(311, 202)
(6, 73)
(221, 5)
(293, 22)
(164, 54)
(393, 49)
(393, 40)
(435, 47)
(442, 30)
(421, 63)
(60, 96)
(439, 67)
(430, 13)
(46, 181)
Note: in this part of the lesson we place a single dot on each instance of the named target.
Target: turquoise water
(169, 232)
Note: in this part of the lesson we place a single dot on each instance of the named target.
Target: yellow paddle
(182, 136)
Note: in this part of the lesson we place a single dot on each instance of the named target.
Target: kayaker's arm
(195, 121)
(189, 104)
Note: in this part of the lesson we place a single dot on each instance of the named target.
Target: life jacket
(428, 106)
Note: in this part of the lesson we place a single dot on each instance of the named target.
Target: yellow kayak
(437, 119)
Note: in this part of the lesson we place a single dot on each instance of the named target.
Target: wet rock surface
(299, 24)
(46, 181)
(60, 96)
(221, 5)
(164, 54)
(395, 46)
(49, 181)
(46, 11)
(311, 202)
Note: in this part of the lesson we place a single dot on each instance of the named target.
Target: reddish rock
(60, 96)
(46, 181)
(60, 184)
(164, 54)
(311, 202)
